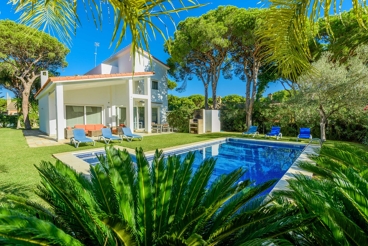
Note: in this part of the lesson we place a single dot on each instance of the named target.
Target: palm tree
(337, 194)
(61, 17)
(289, 25)
(162, 203)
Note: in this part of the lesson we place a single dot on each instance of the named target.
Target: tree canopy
(336, 87)
(24, 53)
(200, 48)
(289, 26)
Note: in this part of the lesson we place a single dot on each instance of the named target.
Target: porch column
(148, 112)
(59, 106)
(130, 105)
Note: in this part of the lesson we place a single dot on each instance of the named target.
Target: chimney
(270, 96)
(8, 100)
(44, 77)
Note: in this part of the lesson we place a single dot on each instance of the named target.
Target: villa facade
(110, 94)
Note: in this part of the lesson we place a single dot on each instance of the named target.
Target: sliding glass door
(138, 117)
(121, 116)
(80, 115)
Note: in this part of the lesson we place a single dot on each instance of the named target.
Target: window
(74, 115)
(80, 115)
(93, 115)
(154, 85)
(155, 115)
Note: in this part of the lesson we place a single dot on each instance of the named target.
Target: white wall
(43, 110)
(212, 122)
(107, 97)
(142, 64)
(52, 114)
(95, 70)
(108, 69)
(103, 69)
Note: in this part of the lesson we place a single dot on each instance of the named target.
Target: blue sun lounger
(80, 137)
(127, 133)
(251, 130)
(107, 136)
(275, 132)
(304, 133)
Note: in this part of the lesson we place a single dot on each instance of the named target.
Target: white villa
(109, 94)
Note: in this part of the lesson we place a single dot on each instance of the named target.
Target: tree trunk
(322, 123)
(214, 98)
(25, 107)
(206, 96)
(248, 113)
(248, 116)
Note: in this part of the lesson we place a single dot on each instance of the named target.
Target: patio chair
(156, 127)
(275, 132)
(80, 137)
(166, 127)
(107, 136)
(127, 133)
(304, 133)
(251, 130)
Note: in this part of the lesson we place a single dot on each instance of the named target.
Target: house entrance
(121, 115)
(138, 118)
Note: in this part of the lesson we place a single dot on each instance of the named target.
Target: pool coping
(83, 167)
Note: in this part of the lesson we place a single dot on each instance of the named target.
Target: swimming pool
(264, 160)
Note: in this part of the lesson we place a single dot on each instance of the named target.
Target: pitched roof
(88, 78)
(128, 48)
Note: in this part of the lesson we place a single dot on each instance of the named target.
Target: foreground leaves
(142, 203)
(338, 195)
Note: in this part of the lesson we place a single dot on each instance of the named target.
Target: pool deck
(311, 149)
(35, 138)
(81, 166)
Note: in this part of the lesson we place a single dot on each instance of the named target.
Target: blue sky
(81, 58)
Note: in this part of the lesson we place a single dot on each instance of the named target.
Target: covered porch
(111, 100)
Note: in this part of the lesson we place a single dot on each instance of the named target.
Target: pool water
(262, 160)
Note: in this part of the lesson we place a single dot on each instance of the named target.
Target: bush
(8, 120)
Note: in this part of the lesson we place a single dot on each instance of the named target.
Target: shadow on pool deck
(36, 138)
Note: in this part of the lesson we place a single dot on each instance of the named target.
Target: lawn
(17, 159)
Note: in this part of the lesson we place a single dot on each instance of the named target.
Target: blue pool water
(263, 160)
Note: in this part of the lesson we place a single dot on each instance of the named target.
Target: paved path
(36, 138)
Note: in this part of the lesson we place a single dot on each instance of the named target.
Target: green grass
(17, 169)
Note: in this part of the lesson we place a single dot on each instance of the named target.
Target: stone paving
(36, 138)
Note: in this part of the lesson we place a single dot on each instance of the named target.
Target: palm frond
(197, 186)
(182, 225)
(122, 230)
(165, 196)
(20, 230)
(288, 28)
(71, 201)
(181, 183)
(144, 205)
(58, 18)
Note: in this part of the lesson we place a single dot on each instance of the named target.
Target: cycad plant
(337, 194)
(142, 203)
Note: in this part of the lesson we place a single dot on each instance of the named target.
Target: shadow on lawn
(13, 189)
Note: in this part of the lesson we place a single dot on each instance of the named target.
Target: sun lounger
(107, 136)
(252, 130)
(127, 133)
(275, 132)
(304, 133)
(80, 137)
